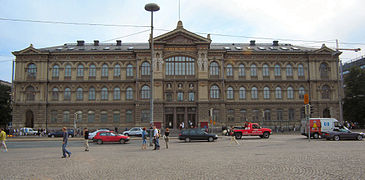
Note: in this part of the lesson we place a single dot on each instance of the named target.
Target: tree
(5, 105)
(354, 103)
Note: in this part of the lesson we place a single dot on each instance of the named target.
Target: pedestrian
(3, 139)
(144, 137)
(86, 138)
(116, 130)
(64, 143)
(182, 125)
(156, 136)
(233, 137)
(150, 134)
(166, 137)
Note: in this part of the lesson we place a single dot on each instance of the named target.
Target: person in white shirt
(156, 136)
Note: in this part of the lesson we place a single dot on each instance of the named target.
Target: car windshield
(344, 130)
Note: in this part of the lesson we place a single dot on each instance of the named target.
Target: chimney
(80, 42)
(119, 42)
(275, 43)
(252, 43)
(96, 42)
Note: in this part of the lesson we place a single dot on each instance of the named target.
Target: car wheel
(359, 137)
(122, 141)
(315, 135)
(126, 134)
(238, 135)
(52, 136)
(210, 139)
(187, 139)
(70, 136)
(336, 138)
(266, 135)
(99, 141)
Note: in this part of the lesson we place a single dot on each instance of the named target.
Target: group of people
(155, 133)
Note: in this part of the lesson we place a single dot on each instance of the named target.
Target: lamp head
(151, 7)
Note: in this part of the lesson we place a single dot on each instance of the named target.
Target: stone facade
(108, 85)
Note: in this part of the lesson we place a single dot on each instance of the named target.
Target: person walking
(144, 137)
(156, 136)
(166, 137)
(86, 138)
(3, 139)
(64, 143)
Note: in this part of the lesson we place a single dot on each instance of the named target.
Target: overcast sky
(309, 20)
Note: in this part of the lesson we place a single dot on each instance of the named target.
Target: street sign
(306, 99)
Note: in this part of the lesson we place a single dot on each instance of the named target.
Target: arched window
(277, 71)
(230, 94)
(129, 93)
(267, 115)
(323, 69)
(300, 70)
(103, 116)
(214, 69)
(32, 70)
(92, 70)
(55, 94)
(254, 93)
(91, 116)
(253, 70)
(104, 70)
(116, 93)
(146, 92)
(265, 70)
(92, 93)
(325, 92)
(55, 71)
(79, 94)
(266, 93)
(278, 93)
(129, 70)
(289, 70)
(179, 65)
(66, 116)
(68, 70)
(30, 93)
(67, 94)
(146, 69)
(242, 93)
(241, 70)
(117, 70)
(229, 70)
(301, 93)
(214, 92)
(104, 93)
(290, 93)
(80, 70)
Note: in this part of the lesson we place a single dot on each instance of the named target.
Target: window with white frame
(254, 93)
(241, 70)
(116, 94)
(230, 94)
(79, 94)
(129, 70)
(92, 94)
(289, 70)
(290, 93)
(214, 92)
(253, 70)
(277, 70)
(55, 71)
(229, 70)
(146, 69)
(266, 93)
(242, 93)
(265, 70)
(104, 93)
(300, 70)
(278, 93)
(104, 70)
(92, 70)
(80, 70)
(214, 69)
(117, 70)
(129, 93)
(146, 92)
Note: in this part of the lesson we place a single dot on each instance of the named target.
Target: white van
(28, 131)
(318, 126)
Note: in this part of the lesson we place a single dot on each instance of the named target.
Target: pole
(151, 98)
(12, 92)
(339, 83)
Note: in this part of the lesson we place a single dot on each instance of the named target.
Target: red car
(109, 136)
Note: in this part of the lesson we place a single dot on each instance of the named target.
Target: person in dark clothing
(116, 130)
(86, 139)
(64, 143)
(166, 137)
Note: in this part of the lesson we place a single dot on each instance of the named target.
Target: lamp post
(151, 7)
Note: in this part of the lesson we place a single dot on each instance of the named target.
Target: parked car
(28, 131)
(136, 131)
(341, 134)
(109, 136)
(91, 135)
(60, 133)
(196, 134)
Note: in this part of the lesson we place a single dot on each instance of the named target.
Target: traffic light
(311, 109)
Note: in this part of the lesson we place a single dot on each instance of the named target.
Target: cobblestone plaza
(279, 157)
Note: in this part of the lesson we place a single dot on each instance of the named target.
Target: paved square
(280, 157)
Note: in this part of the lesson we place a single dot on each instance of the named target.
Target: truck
(317, 126)
(251, 129)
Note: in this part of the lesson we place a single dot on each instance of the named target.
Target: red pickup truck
(251, 129)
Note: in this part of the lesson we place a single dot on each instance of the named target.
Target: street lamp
(152, 7)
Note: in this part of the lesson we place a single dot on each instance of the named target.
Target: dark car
(196, 134)
(60, 133)
(338, 134)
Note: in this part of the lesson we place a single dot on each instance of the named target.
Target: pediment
(181, 36)
(324, 49)
(28, 50)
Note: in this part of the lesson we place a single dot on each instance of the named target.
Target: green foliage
(5, 105)
(354, 103)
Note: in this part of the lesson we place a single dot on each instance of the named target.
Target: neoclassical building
(108, 85)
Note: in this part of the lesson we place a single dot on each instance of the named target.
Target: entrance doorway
(169, 121)
(29, 121)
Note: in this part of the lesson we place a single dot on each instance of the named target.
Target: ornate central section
(180, 66)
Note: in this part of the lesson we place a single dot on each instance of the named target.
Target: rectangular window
(129, 116)
(54, 116)
(66, 116)
(230, 115)
(291, 114)
(255, 115)
(267, 115)
(216, 115)
(104, 117)
(116, 117)
(191, 96)
(145, 117)
(91, 117)
(169, 96)
(243, 115)
(279, 115)
(180, 96)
